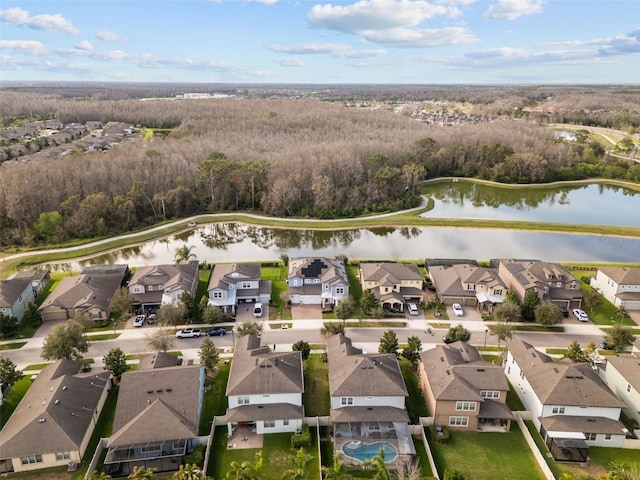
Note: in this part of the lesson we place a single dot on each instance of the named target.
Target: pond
(234, 242)
(589, 204)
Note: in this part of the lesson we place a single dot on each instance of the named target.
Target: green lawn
(203, 283)
(355, 288)
(13, 397)
(316, 398)
(487, 455)
(215, 401)
(278, 276)
(604, 456)
(415, 402)
(276, 450)
(12, 346)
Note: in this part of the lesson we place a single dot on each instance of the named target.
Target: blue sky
(313, 41)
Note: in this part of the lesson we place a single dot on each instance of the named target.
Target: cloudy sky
(316, 41)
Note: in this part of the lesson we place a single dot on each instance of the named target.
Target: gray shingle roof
(182, 276)
(268, 411)
(224, 274)
(623, 275)
(11, 289)
(628, 366)
(55, 413)
(84, 291)
(257, 370)
(570, 423)
(369, 414)
(390, 273)
(563, 382)
(457, 372)
(353, 373)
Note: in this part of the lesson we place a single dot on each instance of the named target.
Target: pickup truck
(188, 333)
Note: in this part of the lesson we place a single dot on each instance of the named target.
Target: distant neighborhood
(572, 406)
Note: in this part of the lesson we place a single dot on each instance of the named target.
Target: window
(628, 387)
(490, 394)
(559, 284)
(469, 406)
(607, 436)
(243, 400)
(269, 423)
(497, 291)
(152, 449)
(590, 436)
(217, 294)
(346, 401)
(557, 410)
(285, 421)
(28, 459)
(62, 455)
(458, 421)
(246, 284)
(471, 286)
(339, 290)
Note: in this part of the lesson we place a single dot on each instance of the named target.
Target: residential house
(467, 284)
(157, 416)
(90, 292)
(462, 391)
(551, 281)
(622, 374)
(39, 278)
(393, 284)
(619, 285)
(15, 294)
(317, 281)
(237, 283)
(52, 425)
(570, 404)
(157, 285)
(264, 389)
(367, 399)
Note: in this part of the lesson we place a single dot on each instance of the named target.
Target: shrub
(196, 457)
(301, 440)
(442, 437)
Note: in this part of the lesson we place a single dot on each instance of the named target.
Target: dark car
(605, 346)
(447, 340)
(216, 332)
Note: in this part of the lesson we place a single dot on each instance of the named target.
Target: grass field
(316, 387)
(487, 455)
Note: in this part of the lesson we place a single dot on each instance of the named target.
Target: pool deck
(340, 442)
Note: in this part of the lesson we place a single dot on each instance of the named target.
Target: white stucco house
(317, 281)
(264, 389)
(619, 285)
(570, 404)
(622, 375)
(233, 284)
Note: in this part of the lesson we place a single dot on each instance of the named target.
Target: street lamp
(486, 331)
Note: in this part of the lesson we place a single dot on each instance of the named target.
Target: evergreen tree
(389, 343)
(412, 351)
(115, 362)
(529, 304)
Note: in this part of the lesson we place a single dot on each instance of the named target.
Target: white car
(257, 310)
(580, 315)
(138, 321)
(457, 310)
(413, 308)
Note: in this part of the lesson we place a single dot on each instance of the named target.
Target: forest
(302, 151)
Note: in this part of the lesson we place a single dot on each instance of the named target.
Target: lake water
(588, 204)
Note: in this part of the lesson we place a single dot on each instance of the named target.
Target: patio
(244, 438)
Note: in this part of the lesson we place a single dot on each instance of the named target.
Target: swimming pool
(364, 451)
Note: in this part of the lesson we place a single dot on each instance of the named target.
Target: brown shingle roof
(623, 275)
(55, 413)
(258, 370)
(84, 291)
(353, 373)
(570, 423)
(390, 273)
(369, 414)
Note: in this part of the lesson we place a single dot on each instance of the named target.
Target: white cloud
(29, 47)
(368, 15)
(512, 9)
(107, 36)
(415, 38)
(49, 23)
(333, 49)
(289, 62)
(90, 53)
(84, 45)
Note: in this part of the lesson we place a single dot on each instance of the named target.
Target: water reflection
(231, 242)
(594, 204)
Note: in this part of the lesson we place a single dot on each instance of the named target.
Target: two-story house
(15, 294)
(368, 395)
(619, 285)
(622, 374)
(232, 284)
(570, 404)
(467, 284)
(54, 421)
(264, 389)
(157, 416)
(157, 285)
(90, 292)
(463, 391)
(39, 278)
(317, 281)
(551, 281)
(393, 284)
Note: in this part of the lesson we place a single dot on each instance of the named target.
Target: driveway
(306, 312)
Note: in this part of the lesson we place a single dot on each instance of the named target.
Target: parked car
(257, 310)
(188, 333)
(216, 332)
(565, 313)
(138, 321)
(457, 310)
(605, 346)
(413, 308)
(580, 315)
(447, 340)
(152, 318)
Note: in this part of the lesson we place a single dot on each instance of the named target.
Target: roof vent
(159, 390)
(480, 369)
(64, 387)
(169, 390)
(57, 402)
(149, 391)
(42, 420)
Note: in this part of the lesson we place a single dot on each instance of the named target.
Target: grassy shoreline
(14, 260)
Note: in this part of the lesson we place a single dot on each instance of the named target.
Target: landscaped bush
(440, 437)
(196, 457)
(301, 440)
